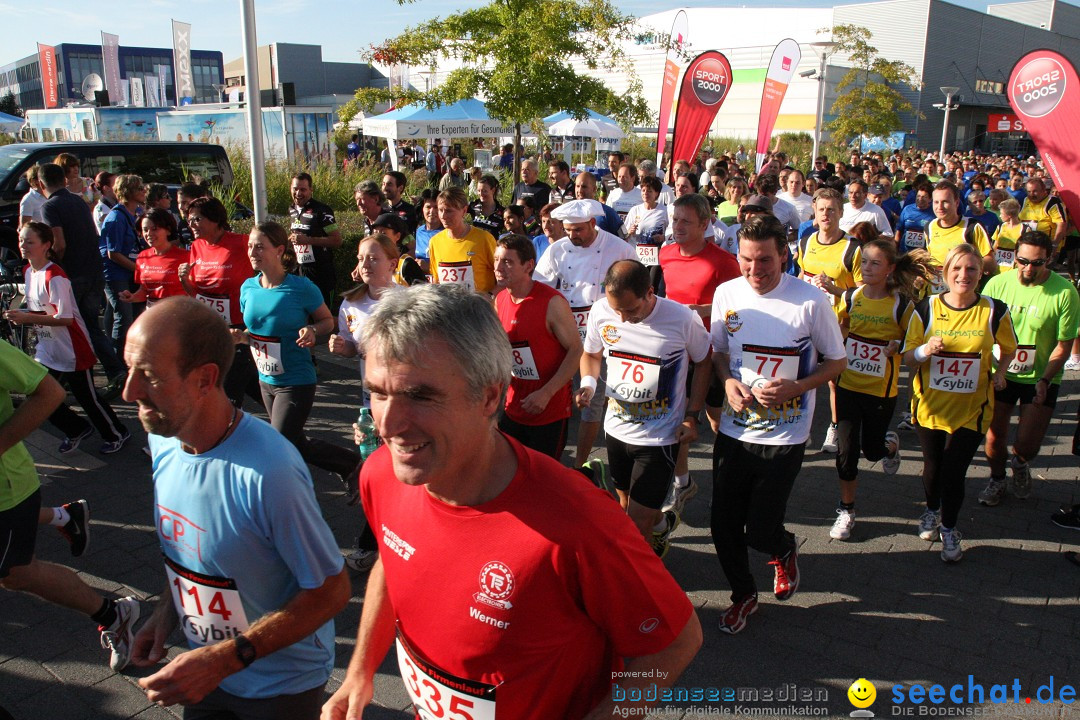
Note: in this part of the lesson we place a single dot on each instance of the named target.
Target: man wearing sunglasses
(1044, 308)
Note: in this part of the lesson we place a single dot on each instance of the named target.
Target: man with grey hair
(531, 186)
(529, 603)
(371, 203)
(456, 175)
(575, 266)
(647, 168)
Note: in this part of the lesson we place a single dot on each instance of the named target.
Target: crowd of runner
(727, 296)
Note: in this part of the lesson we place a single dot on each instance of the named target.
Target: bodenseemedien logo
(862, 694)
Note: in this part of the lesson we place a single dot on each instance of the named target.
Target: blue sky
(342, 28)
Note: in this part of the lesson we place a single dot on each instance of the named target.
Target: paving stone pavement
(880, 606)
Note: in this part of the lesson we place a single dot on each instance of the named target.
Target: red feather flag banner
(704, 87)
(1044, 90)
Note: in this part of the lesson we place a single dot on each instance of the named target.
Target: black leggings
(101, 415)
(288, 407)
(946, 458)
(861, 420)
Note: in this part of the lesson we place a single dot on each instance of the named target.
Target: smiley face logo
(861, 693)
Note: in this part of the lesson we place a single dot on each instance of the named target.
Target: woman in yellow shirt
(949, 345)
(461, 254)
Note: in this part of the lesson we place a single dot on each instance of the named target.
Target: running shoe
(114, 446)
(734, 618)
(600, 475)
(845, 520)
(118, 637)
(71, 444)
(677, 496)
(891, 464)
(1073, 363)
(830, 445)
(1020, 484)
(929, 524)
(77, 530)
(661, 540)
(113, 388)
(950, 545)
(1067, 517)
(993, 493)
(362, 560)
(906, 422)
(787, 574)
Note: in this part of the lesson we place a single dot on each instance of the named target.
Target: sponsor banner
(138, 93)
(47, 60)
(153, 92)
(110, 55)
(185, 83)
(785, 59)
(456, 128)
(162, 86)
(1003, 123)
(704, 87)
(679, 30)
(1044, 90)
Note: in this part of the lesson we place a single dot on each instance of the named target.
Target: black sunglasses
(1025, 262)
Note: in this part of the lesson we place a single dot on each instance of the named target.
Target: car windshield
(12, 155)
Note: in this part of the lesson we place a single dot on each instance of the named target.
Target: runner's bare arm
(34, 410)
(561, 324)
(191, 676)
(666, 666)
(373, 640)
(589, 367)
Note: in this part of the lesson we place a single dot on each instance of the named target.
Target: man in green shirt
(21, 511)
(1044, 308)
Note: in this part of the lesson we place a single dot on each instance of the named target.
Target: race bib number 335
(438, 695)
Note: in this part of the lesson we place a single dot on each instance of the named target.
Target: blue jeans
(89, 292)
(122, 313)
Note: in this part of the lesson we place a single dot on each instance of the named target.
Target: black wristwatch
(245, 651)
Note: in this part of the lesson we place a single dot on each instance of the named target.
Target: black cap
(392, 221)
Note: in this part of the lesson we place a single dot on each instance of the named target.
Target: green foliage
(514, 54)
(868, 102)
(9, 105)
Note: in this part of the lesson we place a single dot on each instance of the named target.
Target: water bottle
(371, 436)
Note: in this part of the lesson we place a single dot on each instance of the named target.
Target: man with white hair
(576, 266)
(531, 186)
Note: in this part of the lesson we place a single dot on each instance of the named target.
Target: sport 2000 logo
(1039, 87)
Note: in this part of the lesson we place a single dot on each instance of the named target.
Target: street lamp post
(254, 109)
(949, 92)
(823, 49)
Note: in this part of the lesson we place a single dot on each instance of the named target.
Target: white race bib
(1024, 360)
(209, 607)
(632, 377)
(457, 273)
(914, 239)
(955, 372)
(438, 695)
(220, 303)
(524, 364)
(760, 362)
(267, 354)
(581, 317)
(305, 254)
(866, 356)
(44, 332)
(1005, 257)
(648, 255)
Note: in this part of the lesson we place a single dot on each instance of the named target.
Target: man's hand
(687, 431)
(190, 677)
(349, 701)
(148, 646)
(18, 317)
(536, 402)
(306, 337)
(739, 395)
(583, 397)
(776, 392)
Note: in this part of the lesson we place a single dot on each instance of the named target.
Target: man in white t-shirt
(768, 331)
(627, 194)
(793, 193)
(576, 266)
(768, 185)
(647, 345)
(858, 210)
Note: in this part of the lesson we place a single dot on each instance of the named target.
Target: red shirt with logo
(692, 280)
(218, 271)
(513, 604)
(158, 273)
(537, 354)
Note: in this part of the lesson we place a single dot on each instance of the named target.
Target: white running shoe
(891, 464)
(950, 545)
(1020, 484)
(929, 524)
(992, 493)
(830, 445)
(677, 496)
(118, 637)
(845, 520)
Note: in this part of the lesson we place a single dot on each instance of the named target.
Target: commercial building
(75, 61)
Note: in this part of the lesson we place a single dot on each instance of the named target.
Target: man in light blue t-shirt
(254, 576)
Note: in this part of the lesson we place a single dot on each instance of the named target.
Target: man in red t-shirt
(692, 267)
(546, 348)
(509, 585)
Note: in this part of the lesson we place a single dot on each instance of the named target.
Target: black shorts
(715, 395)
(644, 472)
(1025, 394)
(548, 439)
(1072, 243)
(18, 533)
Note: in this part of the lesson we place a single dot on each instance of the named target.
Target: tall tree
(868, 102)
(9, 105)
(516, 54)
